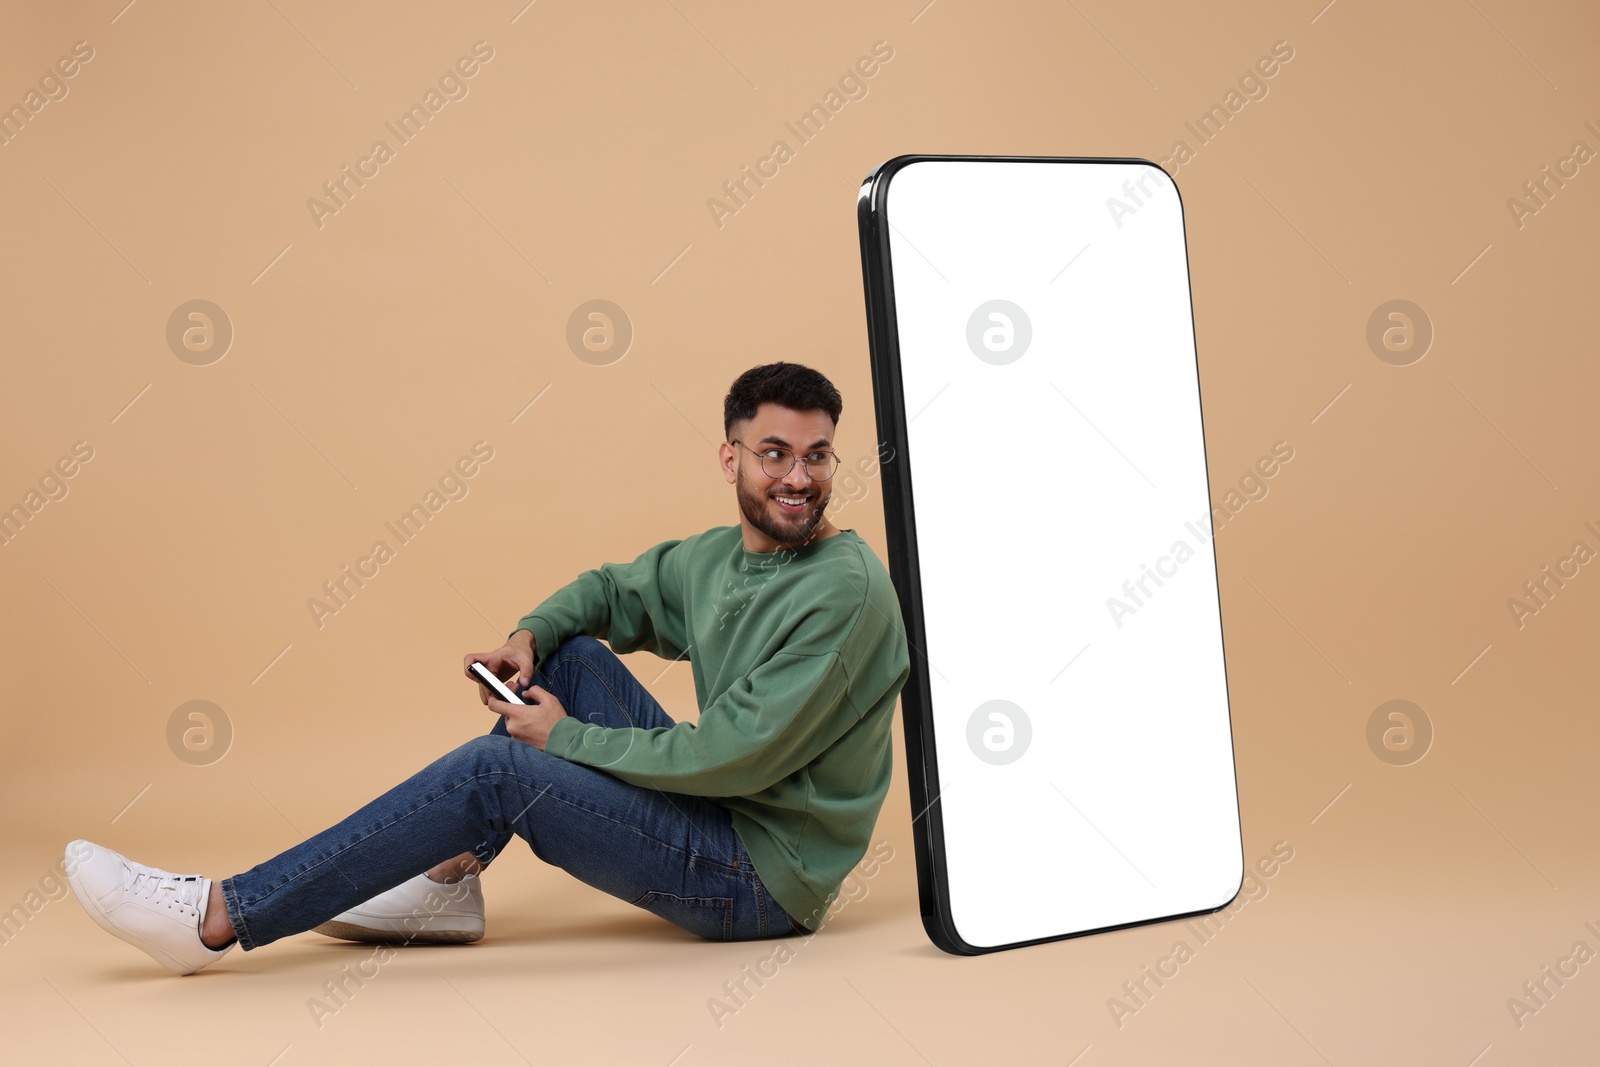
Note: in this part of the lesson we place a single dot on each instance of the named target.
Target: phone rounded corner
(1171, 179)
(1234, 894)
(941, 930)
(889, 167)
(876, 184)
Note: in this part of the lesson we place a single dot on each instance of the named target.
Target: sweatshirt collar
(789, 555)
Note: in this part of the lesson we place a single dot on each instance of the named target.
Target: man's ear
(726, 453)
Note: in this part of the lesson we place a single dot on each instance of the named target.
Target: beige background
(370, 353)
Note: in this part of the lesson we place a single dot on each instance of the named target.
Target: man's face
(800, 433)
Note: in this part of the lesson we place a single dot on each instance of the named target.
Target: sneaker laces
(153, 883)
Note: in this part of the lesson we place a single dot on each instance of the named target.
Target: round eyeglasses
(777, 462)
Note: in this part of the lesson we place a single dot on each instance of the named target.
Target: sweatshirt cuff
(563, 736)
(545, 637)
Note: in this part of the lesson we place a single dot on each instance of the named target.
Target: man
(738, 827)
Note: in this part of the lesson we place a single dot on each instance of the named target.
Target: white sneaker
(149, 908)
(418, 911)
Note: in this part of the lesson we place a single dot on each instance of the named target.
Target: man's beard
(786, 530)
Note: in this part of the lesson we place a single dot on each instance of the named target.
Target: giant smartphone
(1067, 734)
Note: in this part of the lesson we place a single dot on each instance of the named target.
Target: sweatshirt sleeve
(632, 606)
(765, 727)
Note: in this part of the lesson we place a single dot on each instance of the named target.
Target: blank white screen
(1041, 485)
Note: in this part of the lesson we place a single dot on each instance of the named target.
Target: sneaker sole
(369, 935)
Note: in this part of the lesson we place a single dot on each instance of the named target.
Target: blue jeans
(674, 855)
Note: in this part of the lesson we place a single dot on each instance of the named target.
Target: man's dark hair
(789, 385)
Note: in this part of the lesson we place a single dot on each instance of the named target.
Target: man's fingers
(500, 707)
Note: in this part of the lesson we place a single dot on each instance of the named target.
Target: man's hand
(513, 660)
(531, 722)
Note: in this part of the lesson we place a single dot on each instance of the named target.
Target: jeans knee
(487, 753)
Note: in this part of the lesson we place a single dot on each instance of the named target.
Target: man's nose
(798, 476)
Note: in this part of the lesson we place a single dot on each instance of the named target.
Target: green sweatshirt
(798, 656)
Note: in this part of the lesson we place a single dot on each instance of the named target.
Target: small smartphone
(496, 686)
